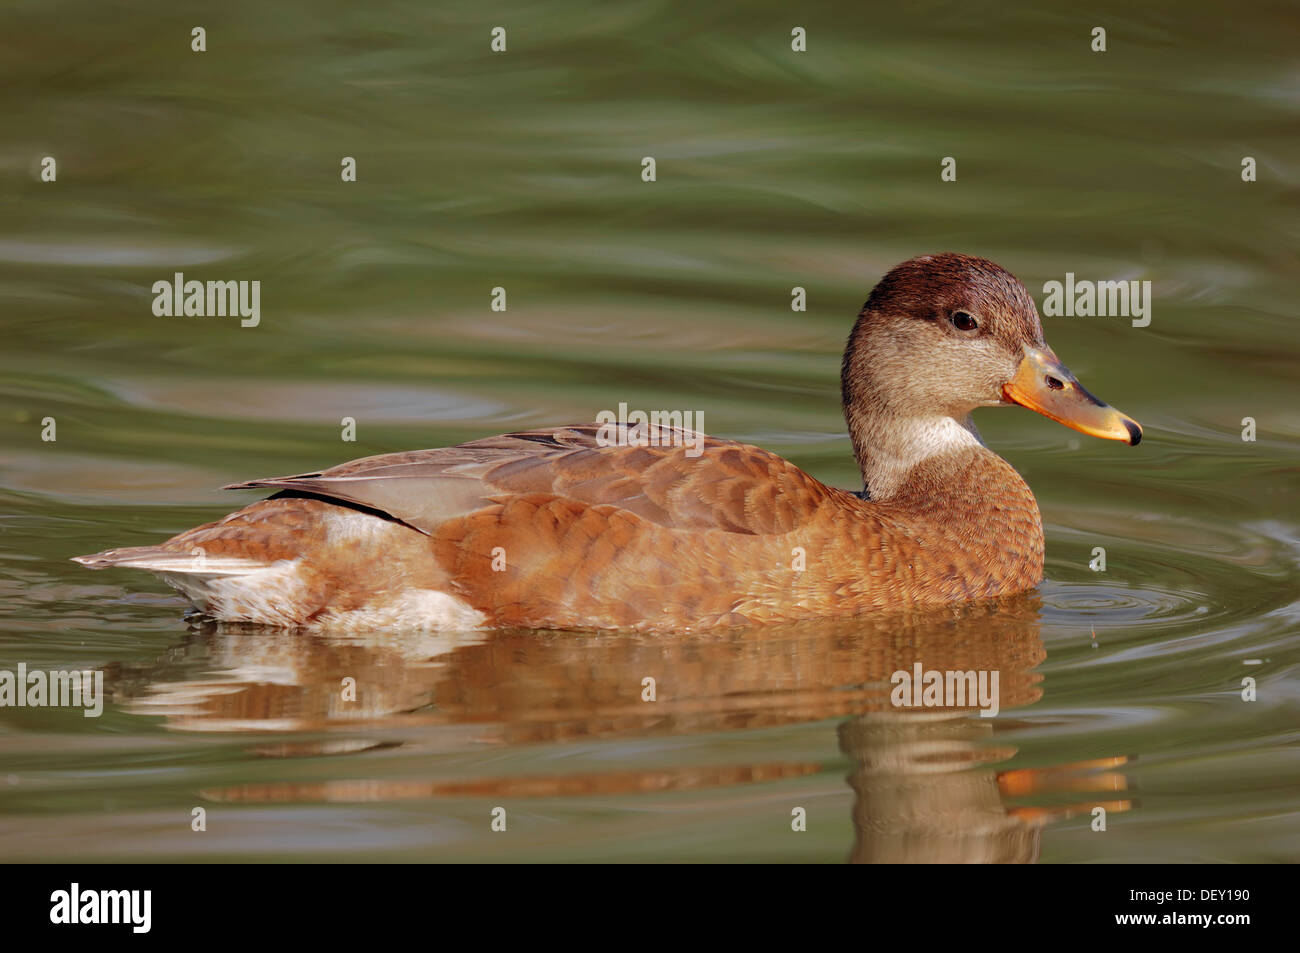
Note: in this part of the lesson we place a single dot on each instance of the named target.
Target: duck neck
(888, 447)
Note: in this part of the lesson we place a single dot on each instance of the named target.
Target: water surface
(1120, 689)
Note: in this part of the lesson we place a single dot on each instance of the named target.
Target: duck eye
(963, 321)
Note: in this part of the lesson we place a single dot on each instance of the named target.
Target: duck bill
(1045, 385)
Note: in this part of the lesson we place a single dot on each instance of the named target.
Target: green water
(522, 170)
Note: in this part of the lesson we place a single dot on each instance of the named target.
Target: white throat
(900, 445)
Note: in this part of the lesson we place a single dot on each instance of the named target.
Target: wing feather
(729, 486)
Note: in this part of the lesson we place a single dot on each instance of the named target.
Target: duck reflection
(924, 780)
(925, 791)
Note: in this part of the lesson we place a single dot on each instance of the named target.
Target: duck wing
(726, 485)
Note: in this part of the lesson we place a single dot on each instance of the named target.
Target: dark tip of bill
(1134, 433)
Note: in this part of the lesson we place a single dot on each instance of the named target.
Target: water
(522, 170)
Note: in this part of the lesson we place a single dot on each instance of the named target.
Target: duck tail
(166, 560)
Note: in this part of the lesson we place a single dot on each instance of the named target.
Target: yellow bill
(1045, 385)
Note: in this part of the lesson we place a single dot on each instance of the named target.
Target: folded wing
(726, 485)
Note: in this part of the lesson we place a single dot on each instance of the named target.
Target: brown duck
(585, 527)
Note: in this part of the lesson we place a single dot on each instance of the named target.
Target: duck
(651, 527)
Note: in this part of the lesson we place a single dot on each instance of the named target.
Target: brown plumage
(557, 528)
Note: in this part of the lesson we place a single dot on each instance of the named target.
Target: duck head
(939, 336)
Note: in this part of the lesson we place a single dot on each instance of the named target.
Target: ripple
(303, 402)
(87, 478)
(113, 252)
(1108, 606)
